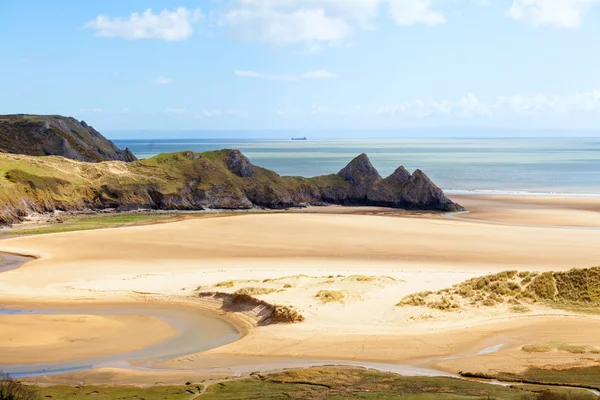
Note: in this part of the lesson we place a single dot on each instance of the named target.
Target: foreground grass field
(588, 377)
(322, 383)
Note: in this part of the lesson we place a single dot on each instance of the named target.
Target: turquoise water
(502, 165)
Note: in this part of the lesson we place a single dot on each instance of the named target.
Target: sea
(538, 166)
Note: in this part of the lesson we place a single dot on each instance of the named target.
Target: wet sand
(416, 252)
(33, 339)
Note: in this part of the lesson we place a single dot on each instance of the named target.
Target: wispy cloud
(316, 74)
(222, 113)
(176, 111)
(165, 25)
(206, 113)
(163, 80)
(557, 13)
(470, 106)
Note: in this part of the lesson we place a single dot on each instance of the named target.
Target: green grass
(356, 383)
(322, 383)
(120, 392)
(588, 377)
(83, 223)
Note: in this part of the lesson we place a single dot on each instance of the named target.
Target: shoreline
(162, 263)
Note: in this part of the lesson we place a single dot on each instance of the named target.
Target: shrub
(13, 390)
(445, 304)
(543, 286)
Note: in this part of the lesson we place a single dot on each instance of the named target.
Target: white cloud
(317, 74)
(411, 12)
(162, 80)
(470, 106)
(166, 25)
(284, 28)
(558, 13)
(317, 22)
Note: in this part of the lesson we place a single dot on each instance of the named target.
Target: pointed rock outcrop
(360, 171)
(400, 175)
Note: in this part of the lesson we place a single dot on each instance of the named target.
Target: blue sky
(305, 64)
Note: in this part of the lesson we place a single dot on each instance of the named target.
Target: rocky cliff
(223, 179)
(40, 135)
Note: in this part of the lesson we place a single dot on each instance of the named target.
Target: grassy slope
(54, 182)
(323, 383)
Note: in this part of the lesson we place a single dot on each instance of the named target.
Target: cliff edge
(53, 135)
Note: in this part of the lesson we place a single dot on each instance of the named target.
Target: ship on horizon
(299, 138)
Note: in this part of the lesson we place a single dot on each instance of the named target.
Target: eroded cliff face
(223, 179)
(39, 135)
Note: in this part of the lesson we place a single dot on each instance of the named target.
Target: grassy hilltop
(223, 179)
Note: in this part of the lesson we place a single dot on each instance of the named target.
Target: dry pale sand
(26, 339)
(308, 252)
(533, 210)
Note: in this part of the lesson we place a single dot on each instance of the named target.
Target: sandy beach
(374, 257)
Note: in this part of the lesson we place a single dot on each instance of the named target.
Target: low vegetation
(105, 392)
(583, 377)
(11, 389)
(255, 291)
(358, 383)
(331, 296)
(306, 384)
(556, 346)
(577, 289)
(225, 284)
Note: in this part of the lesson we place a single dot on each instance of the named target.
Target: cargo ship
(299, 138)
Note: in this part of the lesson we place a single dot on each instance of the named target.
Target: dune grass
(577, 290)
(564, 347)
(331, 296)
(255, 291)
(225, 284)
